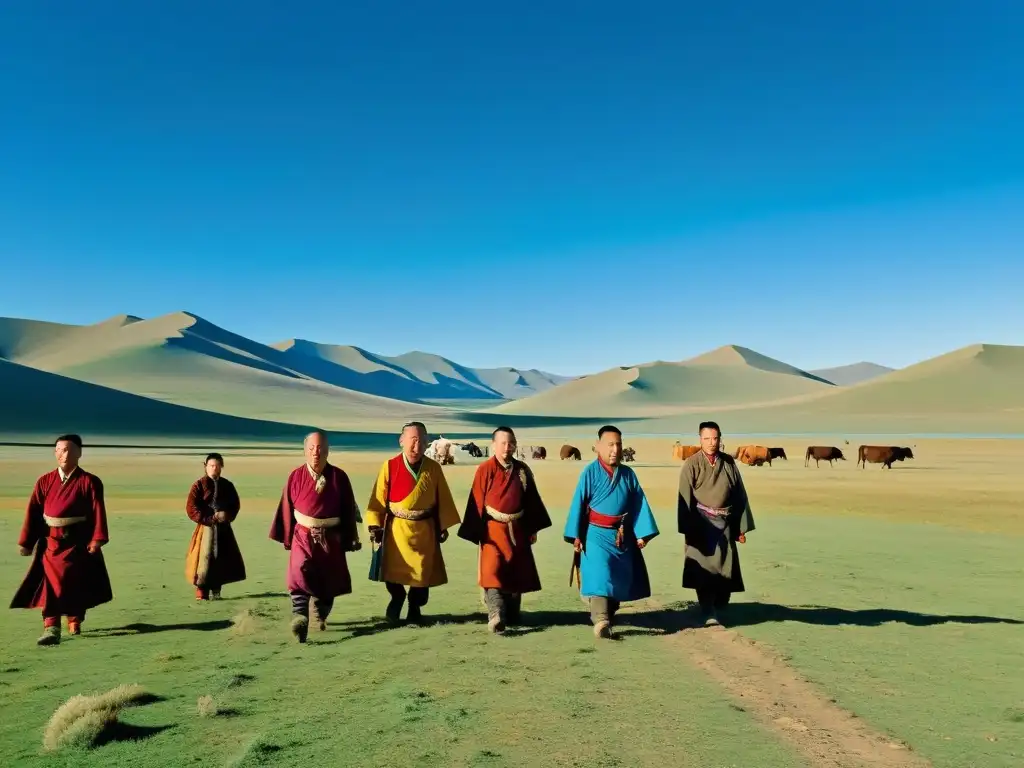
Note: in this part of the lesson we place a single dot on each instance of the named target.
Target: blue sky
(613, 183)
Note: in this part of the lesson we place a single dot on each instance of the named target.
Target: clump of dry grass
(245, 622)
(207, 706)
(81, 720)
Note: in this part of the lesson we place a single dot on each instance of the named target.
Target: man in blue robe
(609, 523)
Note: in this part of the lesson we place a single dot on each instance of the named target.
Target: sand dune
(726, 376)
(846, 375)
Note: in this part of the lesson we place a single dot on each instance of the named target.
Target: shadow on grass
(751, 614)
(124, 732)
(256, 596)
(145, 629)
(530, 623)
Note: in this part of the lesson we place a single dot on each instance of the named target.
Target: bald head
(317, 449)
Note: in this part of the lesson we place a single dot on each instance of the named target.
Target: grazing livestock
(440, 451)
(629, 454)
(473, 450)
(882, 454)
(539, 452)
(821, 453)
(569, 452)
(777, 453)
(683, 452)
(753, 455)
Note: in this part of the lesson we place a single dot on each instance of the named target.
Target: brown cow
(569, 452)
(777, 453)
(539, 452)
(821, 453)
(882, 454)
(683, 452)
(753, 455)
(629, 454)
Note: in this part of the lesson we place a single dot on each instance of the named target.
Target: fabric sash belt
(507, 518)
(609, 521)
(405, 513)
(316, 526)
(712, 511)
(61, 522)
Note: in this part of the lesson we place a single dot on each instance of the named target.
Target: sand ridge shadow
(142, 628)
(751, 614)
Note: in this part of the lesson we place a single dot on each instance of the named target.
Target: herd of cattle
(444, 452)
(756, 455)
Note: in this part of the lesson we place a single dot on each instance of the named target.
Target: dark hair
(508, 430)
(608, 428)
(418, 424)
(76, 439)
(709, 425)
(216, 456)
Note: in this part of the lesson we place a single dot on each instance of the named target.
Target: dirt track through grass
(762, 684)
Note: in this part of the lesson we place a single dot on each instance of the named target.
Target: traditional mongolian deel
(317, 521)
(503, 515)
(609, 512)
(214, 558)
(714, 514)
(65, 516)
(412, 507)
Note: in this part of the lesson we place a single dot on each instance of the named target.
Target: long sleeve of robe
(411, 550)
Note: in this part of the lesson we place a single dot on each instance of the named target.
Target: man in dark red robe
(503, 515)
(317, 522)
(65, 527)
(214, 558)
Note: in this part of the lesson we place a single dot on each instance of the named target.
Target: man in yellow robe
(408, 516)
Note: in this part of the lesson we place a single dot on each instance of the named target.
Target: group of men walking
(408, 517)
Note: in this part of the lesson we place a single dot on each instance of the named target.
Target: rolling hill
(726, 376)
(978, 389)
(183, 359)
(846, 375)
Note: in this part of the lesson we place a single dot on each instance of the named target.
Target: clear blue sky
(615, 182)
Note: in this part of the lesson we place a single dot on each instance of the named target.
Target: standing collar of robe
(711, 459)
(64, 477)
(607, 467)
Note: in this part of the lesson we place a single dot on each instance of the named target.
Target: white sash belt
(61, 522)
(316, 522)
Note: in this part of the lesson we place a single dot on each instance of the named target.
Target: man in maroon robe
(214, 558)
(317, 521)
(65, 527)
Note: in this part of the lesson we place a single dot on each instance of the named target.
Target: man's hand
(741, 539)
(533, 539)
(376, 534)
(577, 546)
(640, 543)
(93, 548)
(24, 551)
(444, 536)
(220, 516)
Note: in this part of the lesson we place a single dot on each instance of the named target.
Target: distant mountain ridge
(855, 373)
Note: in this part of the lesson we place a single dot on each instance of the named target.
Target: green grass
(450, 694)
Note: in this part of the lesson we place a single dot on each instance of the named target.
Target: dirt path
(765, 686)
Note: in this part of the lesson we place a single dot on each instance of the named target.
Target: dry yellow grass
(82, 720)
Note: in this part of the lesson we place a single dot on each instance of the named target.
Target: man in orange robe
(503, 515)
(65, 526)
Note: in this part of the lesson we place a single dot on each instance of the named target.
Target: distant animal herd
(444, 452)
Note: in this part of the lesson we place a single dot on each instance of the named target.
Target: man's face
(316, 451)
(503, 446)
(67, 454)
(709, 441)
(609, 448)
(213, 469)
(413, 442)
